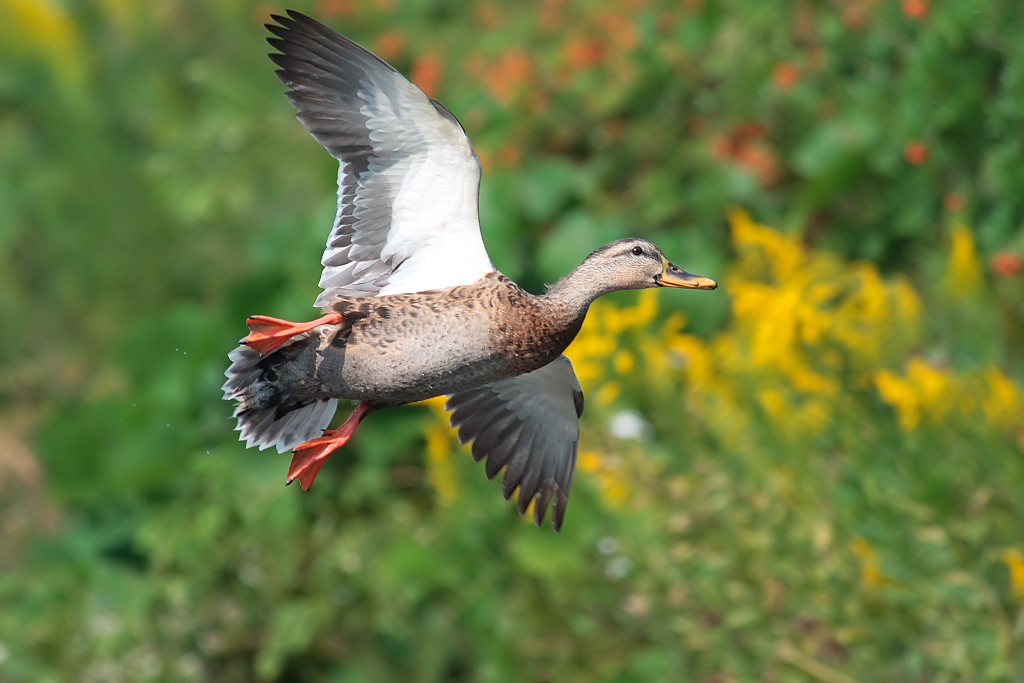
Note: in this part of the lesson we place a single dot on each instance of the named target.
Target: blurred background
(814, 473)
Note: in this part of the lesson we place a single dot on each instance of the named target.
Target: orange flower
(582, 52)
(509, 76)
(619, 28)
(614, 129)
(760, 159)
(954, 202)
(746, 146)
(390, 44)
(335, 9)
(426, 73)
(551, 14)
(786, 76)
(485, 157)
(510, 155)
(1007, 264)
(915, 9)
(721, 147)
(916, 152)
(261, 15)
(731, 145)
(488, 15)
(854, 18)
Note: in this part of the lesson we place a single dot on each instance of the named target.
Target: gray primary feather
(529, 424)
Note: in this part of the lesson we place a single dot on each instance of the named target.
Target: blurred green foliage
(155, 190)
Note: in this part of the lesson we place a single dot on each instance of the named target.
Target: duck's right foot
(267, 334)
(311, 456)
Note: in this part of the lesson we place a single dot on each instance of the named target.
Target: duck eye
(637, 251)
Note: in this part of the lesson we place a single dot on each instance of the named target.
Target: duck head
(630, 263)
(635, 263)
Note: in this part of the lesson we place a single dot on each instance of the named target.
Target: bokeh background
(814, 473)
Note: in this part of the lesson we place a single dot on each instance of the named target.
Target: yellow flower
(907, 302)
(624, 362)
(1014, 560)
(607, 394)
(123, 13)
(645, 311)
(804, 321)
(45, 29)
(697, 360)
(612, 478)
(775, 404)
(436, 404)
(924, 392)
(870, 567)
(901, 395)
(589, 461)
(963, 274)
(815, 415)
(616, 491)
(1003, 404)
(441, 469)
(762, 248)
(934, 386)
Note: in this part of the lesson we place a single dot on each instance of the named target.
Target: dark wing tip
(284, 24)
(537, 453)
(295, 22)
(521, 477)
(281, 29)
(540, 505)
(303, 26)
(561, 502)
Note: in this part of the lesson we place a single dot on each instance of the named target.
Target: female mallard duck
(414, 308)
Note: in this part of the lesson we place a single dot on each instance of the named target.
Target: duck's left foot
(311, 456)
(268, 334)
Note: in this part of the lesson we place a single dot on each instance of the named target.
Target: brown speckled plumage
(404, 348)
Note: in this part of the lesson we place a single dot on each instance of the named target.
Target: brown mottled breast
(531, 330)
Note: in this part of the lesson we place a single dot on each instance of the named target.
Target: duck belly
(391, 364)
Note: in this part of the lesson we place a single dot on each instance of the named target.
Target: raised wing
(530, 426)
(409, 180)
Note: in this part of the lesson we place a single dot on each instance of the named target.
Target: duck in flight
(413, 307)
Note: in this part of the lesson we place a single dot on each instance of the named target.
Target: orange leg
(268, 334)
(311, 456)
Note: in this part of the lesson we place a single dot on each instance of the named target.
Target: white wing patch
(435, 228)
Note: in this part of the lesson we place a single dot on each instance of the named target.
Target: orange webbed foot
(267, 334)
(309, 457)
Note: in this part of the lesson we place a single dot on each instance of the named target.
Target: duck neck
(574, 293)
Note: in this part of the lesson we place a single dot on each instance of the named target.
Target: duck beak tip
(674, 276)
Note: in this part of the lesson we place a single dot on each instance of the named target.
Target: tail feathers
(264, 427)
(260, 428)
(241, 373)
